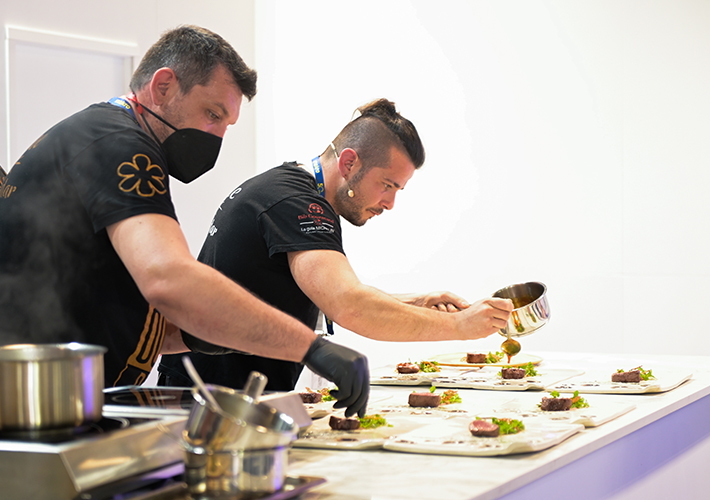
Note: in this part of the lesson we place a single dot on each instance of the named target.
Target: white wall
(56, 88)
(567, 143)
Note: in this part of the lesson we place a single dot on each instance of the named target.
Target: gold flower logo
(141, 176)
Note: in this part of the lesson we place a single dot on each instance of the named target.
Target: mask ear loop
(139, 107)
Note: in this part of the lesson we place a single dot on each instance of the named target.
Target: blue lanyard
(124, 104)
(318, 171)
(320, 185)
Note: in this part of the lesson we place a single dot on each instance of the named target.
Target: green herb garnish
(373, 421)
(645, 374)
(429, 366)
(450, 396)
(508, 425)
(530, 370)
(494, 357)
(578, 401)
(326, 394)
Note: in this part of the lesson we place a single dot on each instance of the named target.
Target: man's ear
(348, 159)
(163, 86)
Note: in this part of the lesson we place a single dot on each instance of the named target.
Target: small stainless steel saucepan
(530, 308)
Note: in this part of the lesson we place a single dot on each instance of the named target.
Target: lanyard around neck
(320, 185)
(123, 103)
(318, 171)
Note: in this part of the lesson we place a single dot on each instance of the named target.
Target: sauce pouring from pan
(530, 312)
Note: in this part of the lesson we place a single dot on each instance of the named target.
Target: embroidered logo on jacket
(141, 176)
(315, 221)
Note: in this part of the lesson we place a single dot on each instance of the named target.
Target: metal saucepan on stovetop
(50, 386)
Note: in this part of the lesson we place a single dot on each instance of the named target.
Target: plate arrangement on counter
(398, 417)
(445, 429)
(489, 378)
(452, 437)
(597, 383)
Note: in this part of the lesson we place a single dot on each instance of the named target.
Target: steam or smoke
(40, 264)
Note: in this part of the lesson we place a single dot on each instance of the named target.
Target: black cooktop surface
(163, 400)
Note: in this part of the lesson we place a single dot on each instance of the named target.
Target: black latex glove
(345, 368)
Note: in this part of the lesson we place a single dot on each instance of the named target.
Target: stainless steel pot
(241, 423)
(239, 446)
(531, 309)
(243, 472)
(50, 386)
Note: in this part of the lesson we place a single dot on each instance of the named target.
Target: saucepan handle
(255, 385)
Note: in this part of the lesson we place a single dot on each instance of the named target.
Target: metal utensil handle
(255, 385)
(200, 384)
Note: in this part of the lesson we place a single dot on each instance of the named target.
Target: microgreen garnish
(530, 370)
(450, 396)
(508, 426)
(429, 366)
(494, 357)
(373, 421)
(326, 394)
(578, 401)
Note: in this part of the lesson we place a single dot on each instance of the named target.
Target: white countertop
(380, 475)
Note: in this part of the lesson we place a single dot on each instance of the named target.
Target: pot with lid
(50, 386)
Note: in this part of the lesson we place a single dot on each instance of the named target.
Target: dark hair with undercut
(193, 53)
(376, 130)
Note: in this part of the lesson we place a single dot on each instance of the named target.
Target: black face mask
(190, 152)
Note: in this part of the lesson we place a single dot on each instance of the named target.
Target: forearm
(377, 315)
(199, 299)
(212, 307)
(380, 316)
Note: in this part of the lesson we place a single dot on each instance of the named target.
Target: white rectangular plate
(388, 376)
(598, 413)
(488, 378)
(452, 437)
(459, 359)
(320, 435)
(666, 380)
